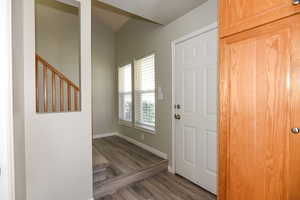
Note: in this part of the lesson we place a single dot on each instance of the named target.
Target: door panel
(211, 152)
(240, 15)
(189, 91)
(196, 92)
(189, 148)
(256, 145)
(210, 90)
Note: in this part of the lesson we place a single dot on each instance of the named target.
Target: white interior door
(196, 94)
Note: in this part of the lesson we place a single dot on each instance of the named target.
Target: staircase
(54, 91)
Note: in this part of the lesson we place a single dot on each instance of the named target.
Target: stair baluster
(72, 88)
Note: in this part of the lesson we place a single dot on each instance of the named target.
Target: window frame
(137, 125)
(128, 123)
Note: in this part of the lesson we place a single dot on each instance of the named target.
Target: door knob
(295, 130)
(177, 116)
(296, 2)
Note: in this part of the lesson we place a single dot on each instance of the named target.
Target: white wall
(104, 78)
(6, 128)
(139, 38)
(18, 100)
(58, 147)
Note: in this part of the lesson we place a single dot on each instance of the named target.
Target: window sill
(125, 123)
(145, 129)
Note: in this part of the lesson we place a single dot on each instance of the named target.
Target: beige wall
(58, 36)
(138, 38)
(104, 78)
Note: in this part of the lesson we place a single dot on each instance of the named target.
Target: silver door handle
(296, 2)
(177, 116)
(295, 130)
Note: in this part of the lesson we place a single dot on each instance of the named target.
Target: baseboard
(144, 146)
(171, 169)
(97, 136)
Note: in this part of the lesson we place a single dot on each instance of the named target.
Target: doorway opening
(133, 107)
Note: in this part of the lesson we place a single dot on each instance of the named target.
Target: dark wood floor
(126, 158)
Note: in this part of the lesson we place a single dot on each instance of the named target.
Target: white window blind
(125, 93)
(144, 72)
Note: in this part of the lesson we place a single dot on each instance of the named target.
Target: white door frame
(207, 28)
(6, 113)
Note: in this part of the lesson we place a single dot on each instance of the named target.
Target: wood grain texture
(127, 163)
(240, 15)
(76, 99)
(143, 175)
(125, 157)
(62, 95)
(118, 182)
(55, 73)
(45, 82)
(254, 113)
(294, 140)
(99, 161)
(69, 97)
(53, 92)
(164, 186)
(37, 85)
(223, 123)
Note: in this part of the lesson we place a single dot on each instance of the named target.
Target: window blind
(144, 71)
(125, 93)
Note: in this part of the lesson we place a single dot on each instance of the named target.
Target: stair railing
(45, 96)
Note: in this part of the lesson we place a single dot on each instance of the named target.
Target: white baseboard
(97, 136)
(171, 169)
(144, 146)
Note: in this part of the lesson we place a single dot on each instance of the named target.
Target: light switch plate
(160, 94)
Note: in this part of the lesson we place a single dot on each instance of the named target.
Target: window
(125, 94)
(144, 84)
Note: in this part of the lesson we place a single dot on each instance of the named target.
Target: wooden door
(240, 15)
(258, 154)
(196, 62)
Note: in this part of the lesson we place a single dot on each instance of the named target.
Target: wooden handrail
(55, 73)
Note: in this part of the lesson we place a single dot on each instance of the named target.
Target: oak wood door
(259, 104)
(239, 15)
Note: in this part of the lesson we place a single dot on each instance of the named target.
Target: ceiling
(159, 11)
(108, 16)
(115, 13)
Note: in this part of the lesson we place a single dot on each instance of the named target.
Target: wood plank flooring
(164, 186)
(136, 174)
(125, 157)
